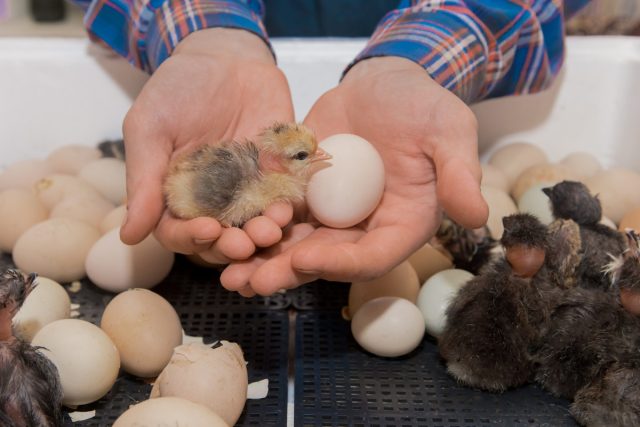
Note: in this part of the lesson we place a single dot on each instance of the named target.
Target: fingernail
(202, 241)
(309, 272)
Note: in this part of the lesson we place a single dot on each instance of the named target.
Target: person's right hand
(218, 84)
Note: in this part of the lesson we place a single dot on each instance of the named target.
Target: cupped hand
(217, 84)
(427, 138)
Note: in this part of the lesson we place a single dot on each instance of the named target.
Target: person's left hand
(427, 138)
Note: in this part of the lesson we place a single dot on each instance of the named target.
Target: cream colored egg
(86, 208)
(428, 260)
(20, 209)
(436, 295)
(631, 219)
(53, 188)
(113, 219)
(145, 328)
(513, 159)
(56, 248)
(617, 189)
(48, 302)
(87, 361)
(402, 281)
(547, 173)
(108, 176)
(536, 203)
(116, 267)
(500, 205)
(69, 159)
(344, 190)
(24, 174)
(388, 326)
(198, 372)
(494, 177)
(582, 164)
(169, 411)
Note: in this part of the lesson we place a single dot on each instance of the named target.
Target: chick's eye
(301, 155)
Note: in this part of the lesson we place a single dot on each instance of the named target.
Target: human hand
(218, 84)
(427, 138)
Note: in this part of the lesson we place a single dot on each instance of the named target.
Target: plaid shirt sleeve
(146, 31)
(478, 48)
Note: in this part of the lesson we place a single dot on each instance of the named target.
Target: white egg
(108, 176)
(53, 188)
(344, 190)
(500, 205)
(88, 208)
(115, 266)
(48, 302)
(24, 174)
(436, 294)
(535, 202)
(169, 411)
(388, 326)
(87, 360)
(20, 209)
(113, 219)
(70, 159)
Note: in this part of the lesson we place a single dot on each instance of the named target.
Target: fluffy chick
(572, 200)
(525, 240)
(235, 181)
(589, 353)
(30, 390)
(624, 271)
(471, 249)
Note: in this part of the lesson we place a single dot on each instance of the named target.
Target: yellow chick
(234, 181)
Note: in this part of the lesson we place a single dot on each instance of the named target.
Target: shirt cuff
(148, 36)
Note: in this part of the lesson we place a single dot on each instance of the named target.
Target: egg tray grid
(320, 295)
(339, 384)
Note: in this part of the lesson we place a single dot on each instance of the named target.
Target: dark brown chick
(624, 271)
(30, 390)
(235, 181)
(471, 249)
(525, 240)
(572, 200)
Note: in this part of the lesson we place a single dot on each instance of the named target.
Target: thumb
(147, 160)
(458, 186)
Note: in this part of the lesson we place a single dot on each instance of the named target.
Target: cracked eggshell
(19, 210)
(108, 176)
(48, 302)
(344, 190)
(169, 411)
(87, 361)
(145, 328)
(198, 372)
(56, 248)
(116, 267)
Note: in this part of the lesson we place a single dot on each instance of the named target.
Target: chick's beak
(320, 154)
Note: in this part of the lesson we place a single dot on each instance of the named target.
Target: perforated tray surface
(320, 295)
(339, 384)
(209, 311)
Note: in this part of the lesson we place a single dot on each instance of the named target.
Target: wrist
(229, 42)
(379, 65)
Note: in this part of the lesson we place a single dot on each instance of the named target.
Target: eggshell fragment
(145, 328)
(198, 372)
(87, 208)
(541, 173)
(500, 205)
(87, 361)
(55, 248)
(116, 267)
(108, 176)
(513, 159)
(113, 219)
(48, 302)
(169, 411)
(24, 174)
(428, 260)
(401, 282)
(388, 326)
(69, 159)
(436, 295)
(19, 210)
(581, 164)
(617, 189)
(344, 190)
(53, 188)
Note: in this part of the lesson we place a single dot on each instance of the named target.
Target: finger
(246, 292)
(187, 236)
(233, 244)
(263, 231)
(240, 274)
(145, 168)
(458, 184)
(280, 212)
(357, 257)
